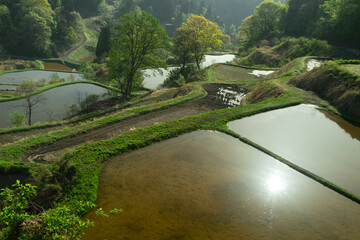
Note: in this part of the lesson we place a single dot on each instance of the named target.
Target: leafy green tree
(339, 21)
(203, 35)
(70, 28)
(183, 47)
(264, 23)
(35, 35)
(41, 7)
(301, 16)
(5, 24)
(138, 43)
(35, 28)
(17, 118)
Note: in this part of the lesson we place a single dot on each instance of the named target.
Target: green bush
(17, 118)
(16, 221)
(178, 76)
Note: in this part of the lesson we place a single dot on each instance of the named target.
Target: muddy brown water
(207, 185)
(314, 139)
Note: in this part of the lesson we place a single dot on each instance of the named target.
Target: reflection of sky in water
(259, 73)
(153, 78)
(18, 77)
(306, 137)
(7, 86)
(54, 107)
(213, 186)
(230, 97)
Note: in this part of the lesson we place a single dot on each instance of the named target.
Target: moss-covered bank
(335, 84)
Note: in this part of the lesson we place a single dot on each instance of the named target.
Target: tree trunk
(129, 84)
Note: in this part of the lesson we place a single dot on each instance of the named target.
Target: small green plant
(17, 118)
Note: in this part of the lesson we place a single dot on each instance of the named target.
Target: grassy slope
(336, 84)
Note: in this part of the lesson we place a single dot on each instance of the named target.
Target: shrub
(17, 118)
(17, 223)
(178, 76)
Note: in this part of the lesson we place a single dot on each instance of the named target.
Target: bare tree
(31, 101)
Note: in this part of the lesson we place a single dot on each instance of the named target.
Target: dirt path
(206, 104)
(65, 56)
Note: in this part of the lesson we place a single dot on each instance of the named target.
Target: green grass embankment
(16, 151)
(335, 84)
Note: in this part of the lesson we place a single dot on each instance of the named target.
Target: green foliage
(103, 44)
(37, 28)
(13, 209)
(263, 24)
(196, 37)
(178, 76)
(69, 30)
(17, 118)
(87, 70)
(138, 43)
(334, 20)
(58, 223)
(293, 48)
(101, 212)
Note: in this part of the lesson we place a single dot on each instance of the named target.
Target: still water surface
(314, 139)
(18, 77)
(55, 104)
(207, 185)
(153, 78)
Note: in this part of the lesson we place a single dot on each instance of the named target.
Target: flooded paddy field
(35, 75)
(314, 139)
(55, 103)
(207, 185)
(154, 78)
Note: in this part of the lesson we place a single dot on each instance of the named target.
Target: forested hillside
(38, 27)
(336, 21)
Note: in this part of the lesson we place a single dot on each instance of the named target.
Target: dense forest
(336, 21)
(53, 26)
(38, 27)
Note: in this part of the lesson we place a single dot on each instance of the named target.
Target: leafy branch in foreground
(62, 222)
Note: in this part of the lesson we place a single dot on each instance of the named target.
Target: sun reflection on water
(275, 183)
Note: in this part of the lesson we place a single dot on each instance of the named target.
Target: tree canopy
(263, 23)
(139, 42)
(337, 21)
(198, 36)
(38, 28)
